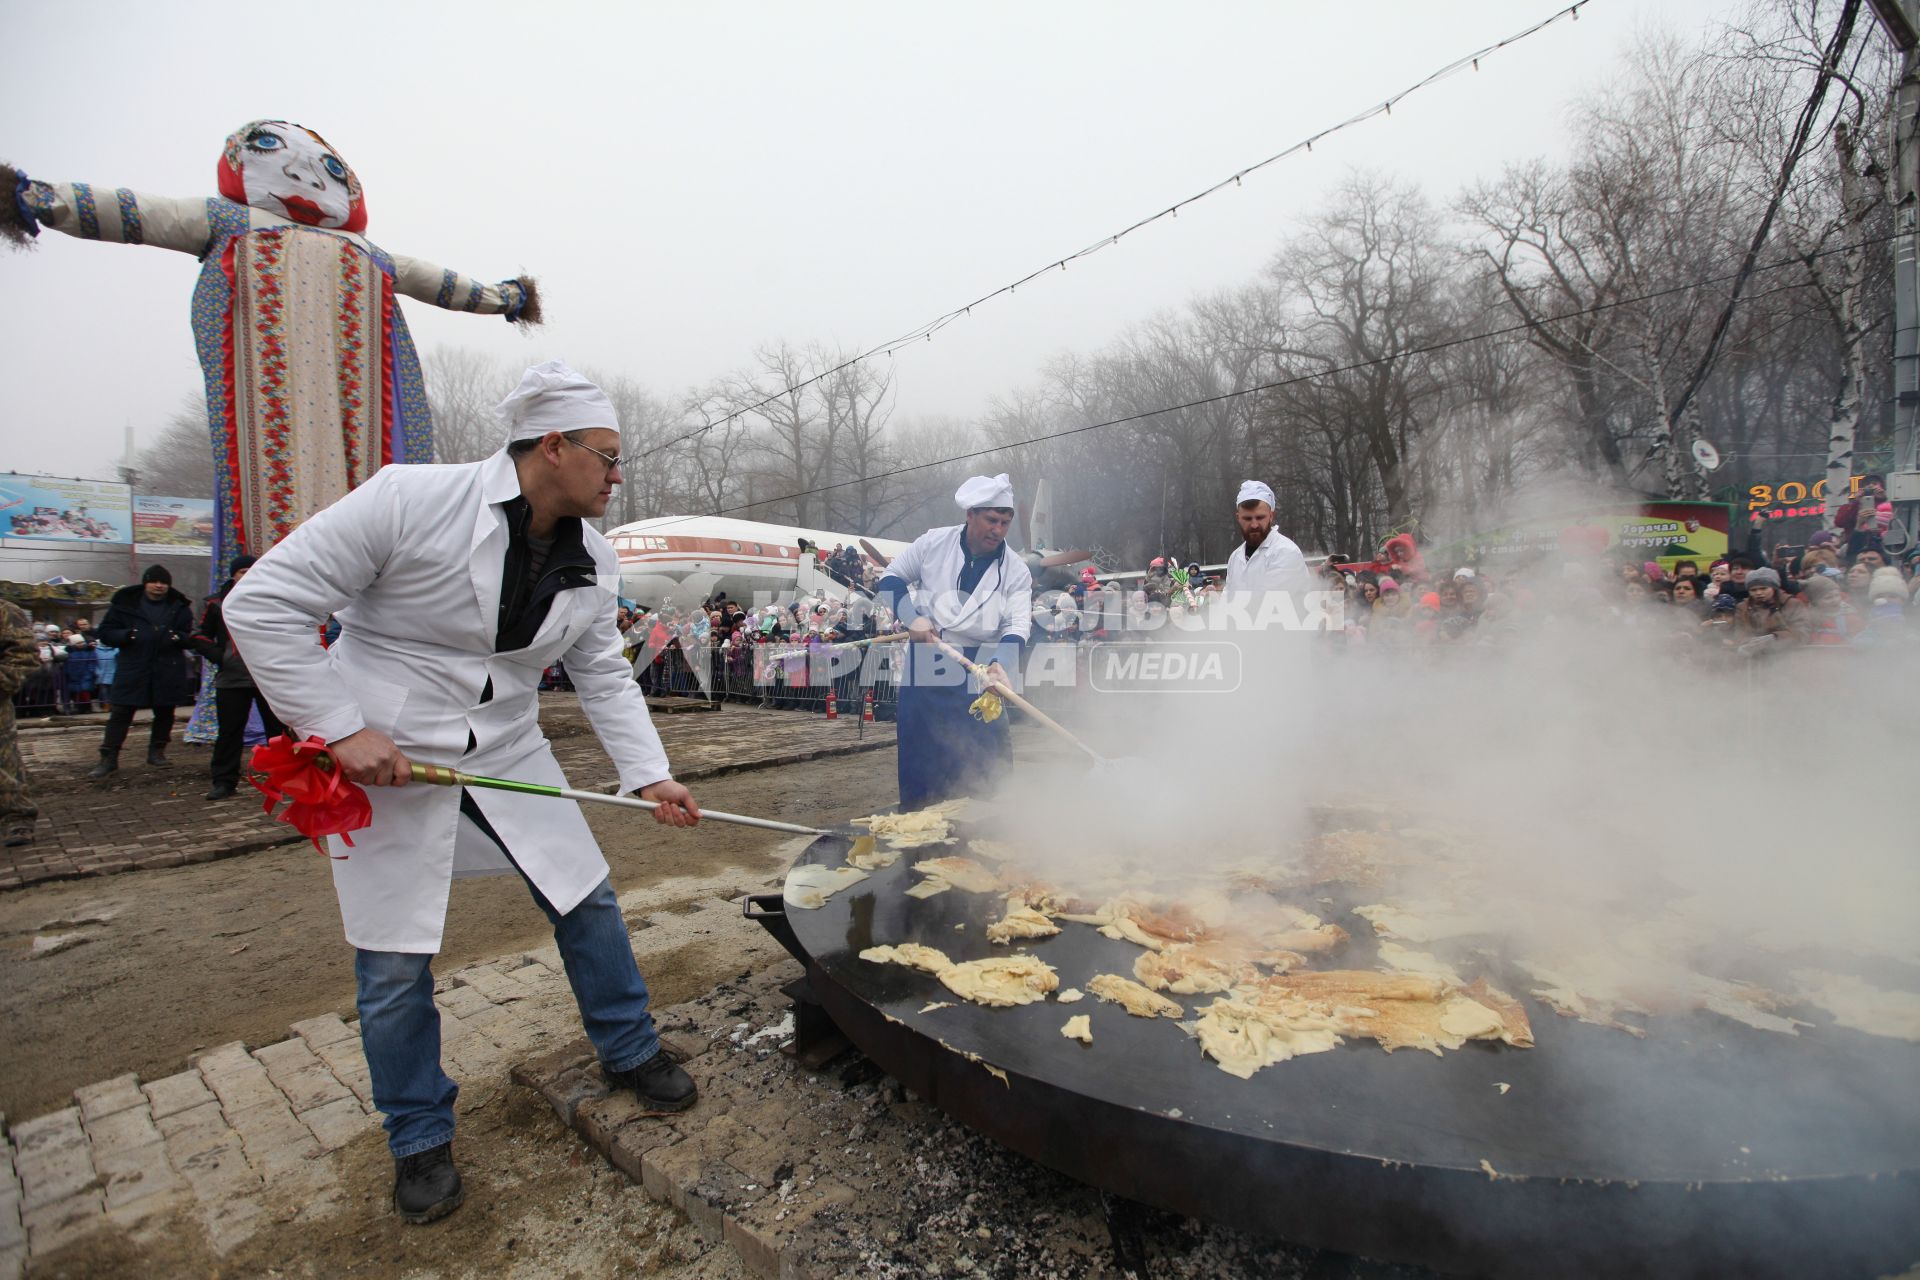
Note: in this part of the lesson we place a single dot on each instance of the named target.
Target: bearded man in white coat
(961, 584)
(1266, 560)
(456, 586)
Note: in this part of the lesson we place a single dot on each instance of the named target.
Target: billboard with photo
(173, 526)
(52, 509)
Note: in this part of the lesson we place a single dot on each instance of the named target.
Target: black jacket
(215, 643)
(152, 670)
(524, 599)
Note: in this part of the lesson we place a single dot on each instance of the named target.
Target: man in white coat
(959, 583)
(456, 586)
(1265, 561)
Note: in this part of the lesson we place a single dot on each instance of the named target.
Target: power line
(925, 332)
(1797, 260)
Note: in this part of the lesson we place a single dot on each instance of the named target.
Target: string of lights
(925, 332)
(1796, 260)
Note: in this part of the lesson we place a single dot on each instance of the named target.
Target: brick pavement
(143, 818)
(244, 1138)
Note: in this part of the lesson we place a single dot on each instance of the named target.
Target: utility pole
(1901, 21)
(130, 477)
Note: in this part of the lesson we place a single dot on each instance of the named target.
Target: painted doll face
(289, 170)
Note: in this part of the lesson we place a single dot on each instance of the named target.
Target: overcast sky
(690, 181)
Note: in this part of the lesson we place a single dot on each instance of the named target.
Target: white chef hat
(1254, 490)
(984, 491)
(554, 397)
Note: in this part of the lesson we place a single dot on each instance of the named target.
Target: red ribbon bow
(323, 802)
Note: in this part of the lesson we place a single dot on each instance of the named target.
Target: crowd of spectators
(74, 673)
(846, 565)
(723, 649)
(1745, 604)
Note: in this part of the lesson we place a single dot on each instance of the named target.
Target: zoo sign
(1783, 501)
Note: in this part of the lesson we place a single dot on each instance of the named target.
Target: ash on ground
(911, 1193)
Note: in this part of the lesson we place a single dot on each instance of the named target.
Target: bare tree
(463, 386)
(178, 463)
(1370, 285)
(858, 403)
(1835, 214)
(793, 439)
(1495, 430)
(926, 482)
(714, 460)
(649, 478)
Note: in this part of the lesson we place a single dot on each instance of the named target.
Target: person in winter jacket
(234, 693)
(1769, 613)
(1887, 616)
(44, 692)
(1866, 518)
(106, 662)
(82, 671)
(1687, 603)
(1830, 619)
(152, 627)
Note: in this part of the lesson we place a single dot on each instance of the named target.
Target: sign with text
(173, 526)
(1791, 498)
(1664, 531)
(51, 509)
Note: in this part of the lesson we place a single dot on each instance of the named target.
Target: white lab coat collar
(487, 553)
(1000, 605)
(992, 581)
(1275, 565)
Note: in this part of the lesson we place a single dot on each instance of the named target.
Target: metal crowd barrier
(786, 677)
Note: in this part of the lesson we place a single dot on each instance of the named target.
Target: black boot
(426, 1186)
(221, 791)
(659, 1083)
(156, 755)
(109, 762)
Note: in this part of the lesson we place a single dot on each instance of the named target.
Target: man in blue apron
(958, 583)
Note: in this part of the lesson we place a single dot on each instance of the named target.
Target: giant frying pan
(1708, 1148)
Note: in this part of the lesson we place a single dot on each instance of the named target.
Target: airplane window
(734, 545)
(757, 551)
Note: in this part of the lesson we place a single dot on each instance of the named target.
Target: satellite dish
(1705, 456)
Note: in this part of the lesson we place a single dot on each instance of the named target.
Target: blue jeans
(400, 1024)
